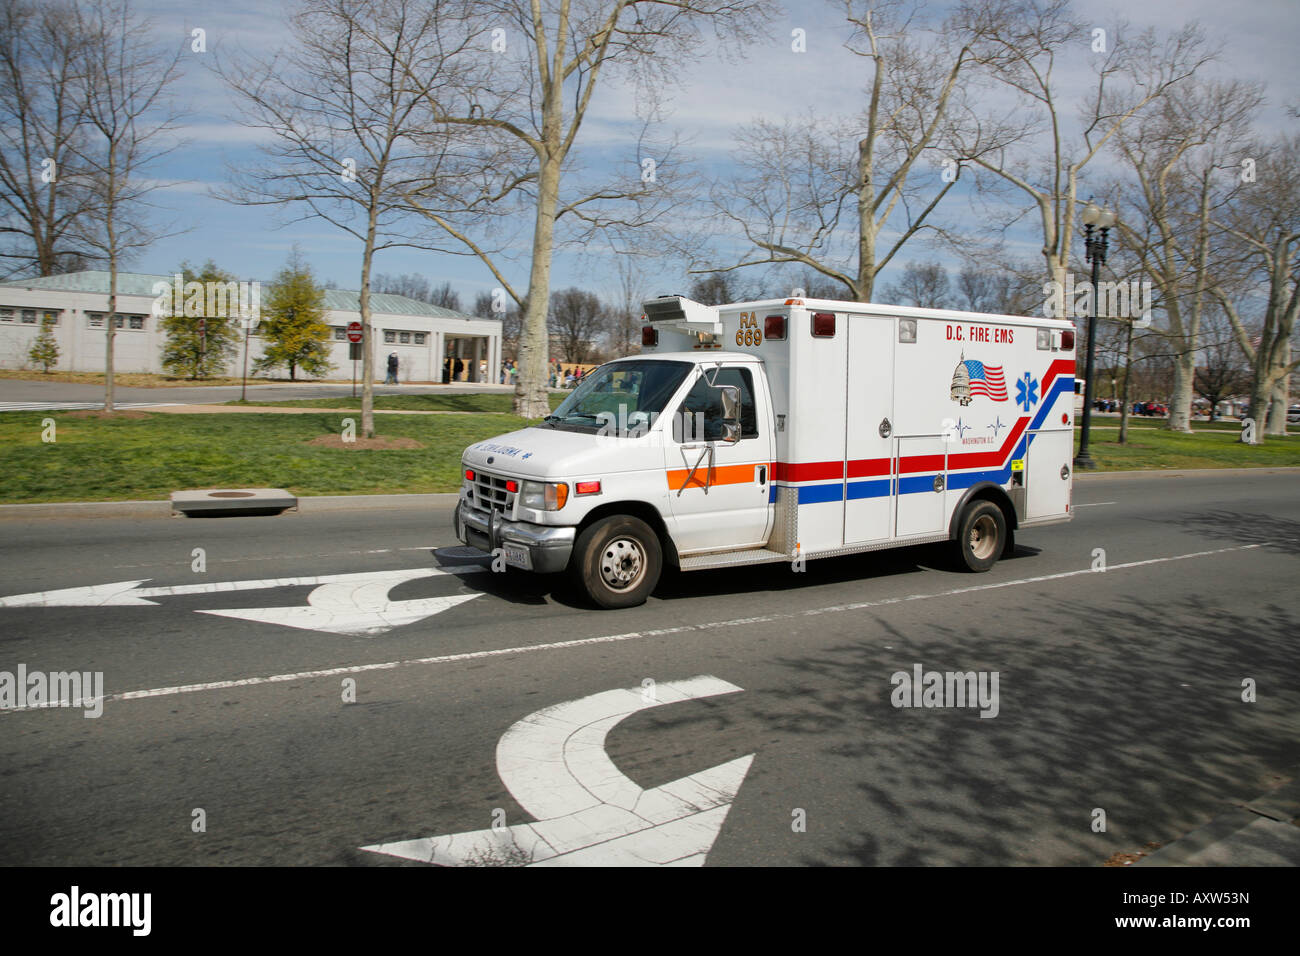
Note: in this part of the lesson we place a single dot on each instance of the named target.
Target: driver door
(718, 491)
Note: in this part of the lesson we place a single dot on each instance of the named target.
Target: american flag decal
(987, 380)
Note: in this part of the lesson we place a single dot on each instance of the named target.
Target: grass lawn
(148, 457)
(1209, 446)
(490, 402)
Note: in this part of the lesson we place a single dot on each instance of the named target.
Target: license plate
(517, 556)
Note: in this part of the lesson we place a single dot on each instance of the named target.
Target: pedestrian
(392, 369)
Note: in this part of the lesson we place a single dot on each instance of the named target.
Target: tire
(617, 561)
(982, 536)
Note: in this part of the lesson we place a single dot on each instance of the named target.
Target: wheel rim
(622, 563)
(983, 537)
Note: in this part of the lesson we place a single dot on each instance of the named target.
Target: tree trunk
(866, 225)
(1180, 402)
(1128, 376)
(1278, 401)
(1261, 394)
(367, 347)
(110, 331)
(534, 345)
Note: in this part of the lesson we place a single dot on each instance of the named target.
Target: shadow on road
(1281, 534)
(1127, 707)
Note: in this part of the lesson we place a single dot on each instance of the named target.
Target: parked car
(1293, 415)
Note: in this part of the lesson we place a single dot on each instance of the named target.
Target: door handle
(762, 474)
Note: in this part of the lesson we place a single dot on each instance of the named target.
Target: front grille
(488, 493)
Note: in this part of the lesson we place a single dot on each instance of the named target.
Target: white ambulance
(784, 430)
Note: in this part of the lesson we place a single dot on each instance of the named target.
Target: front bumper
(548, 548)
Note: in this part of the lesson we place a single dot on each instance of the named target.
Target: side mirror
(730, 413)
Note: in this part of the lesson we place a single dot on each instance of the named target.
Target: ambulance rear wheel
(617, 561)
(982, 536)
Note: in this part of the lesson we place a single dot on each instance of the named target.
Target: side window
(703, 403)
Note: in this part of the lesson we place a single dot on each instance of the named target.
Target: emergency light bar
(681, 313)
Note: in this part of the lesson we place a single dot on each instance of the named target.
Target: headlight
(545, 496)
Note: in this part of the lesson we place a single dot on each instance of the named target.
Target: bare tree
(445, 297)
(980, 290)
(1223, 371)
(814, 285)
(123, 80)
(410, 284)
(1018, 44)
(41, 121)
(527, 108)
(511, 319)
(719, 288)
(345, 103)
(824, 193)
(578, 319)
(629, 293)
(1264, 226)
(1183, 157)
(924, 285)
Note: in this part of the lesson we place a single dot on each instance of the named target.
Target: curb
(163, 509)
(1186, 473)
(1263, 824)
(367, 502)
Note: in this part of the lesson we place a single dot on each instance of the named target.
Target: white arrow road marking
(588, 812)
(361, 609)
(355, 603)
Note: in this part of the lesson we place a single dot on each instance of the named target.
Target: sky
(718, 91)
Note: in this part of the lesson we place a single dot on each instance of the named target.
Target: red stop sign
(354, 332)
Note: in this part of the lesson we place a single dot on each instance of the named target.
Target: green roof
(140, 283)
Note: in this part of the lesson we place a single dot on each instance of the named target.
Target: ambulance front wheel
(982, 536)
(617, 561)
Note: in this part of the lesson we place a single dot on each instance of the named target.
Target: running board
(731, 559)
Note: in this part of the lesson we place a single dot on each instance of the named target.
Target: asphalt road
(1119, 690)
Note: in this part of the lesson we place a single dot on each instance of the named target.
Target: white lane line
(1097, 504)
(638, 635)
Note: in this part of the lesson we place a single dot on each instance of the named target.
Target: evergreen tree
(214, 302)
(293, 326)
(45, 351)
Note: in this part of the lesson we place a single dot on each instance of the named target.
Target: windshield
(623, 398)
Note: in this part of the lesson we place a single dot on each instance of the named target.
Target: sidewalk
(292, 410)
(1263, 832)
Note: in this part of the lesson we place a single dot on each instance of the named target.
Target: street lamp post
(243, 383)
(1097, 222)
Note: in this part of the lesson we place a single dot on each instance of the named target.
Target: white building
(425, 337)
